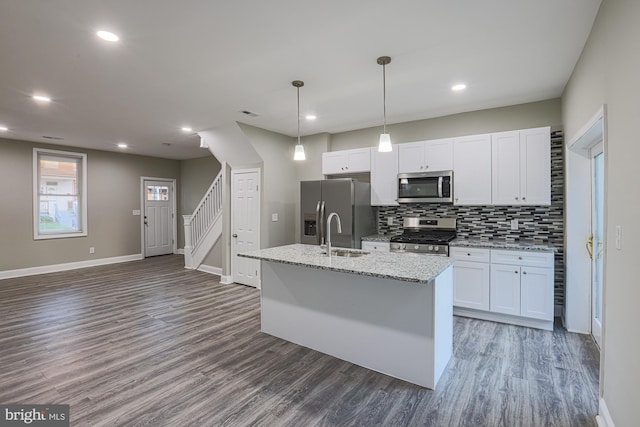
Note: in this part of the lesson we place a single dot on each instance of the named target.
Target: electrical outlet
(619, 237)
(274, 217)
(92, 250)
(389, 220)
(514, 224)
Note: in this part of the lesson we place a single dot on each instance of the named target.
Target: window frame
(82, 194)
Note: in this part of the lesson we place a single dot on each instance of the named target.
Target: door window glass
(157, 192)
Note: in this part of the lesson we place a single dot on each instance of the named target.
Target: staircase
(204, 227)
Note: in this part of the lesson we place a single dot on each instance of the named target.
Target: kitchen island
(392, 313)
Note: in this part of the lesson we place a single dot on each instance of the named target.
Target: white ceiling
(201, 62)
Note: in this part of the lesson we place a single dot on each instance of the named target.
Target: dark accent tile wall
(542, 223)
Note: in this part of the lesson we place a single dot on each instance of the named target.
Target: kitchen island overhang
(392, 313)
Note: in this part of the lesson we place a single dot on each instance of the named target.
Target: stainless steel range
(425, 235)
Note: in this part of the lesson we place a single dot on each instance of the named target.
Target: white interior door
(158, 217)
(596, 243)
(245, 225)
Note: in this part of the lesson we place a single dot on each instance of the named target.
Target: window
(59, 194)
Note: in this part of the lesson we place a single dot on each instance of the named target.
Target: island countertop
(407, 267)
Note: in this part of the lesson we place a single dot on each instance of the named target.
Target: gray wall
(535, 114)
(113, 192)
(607, 73)
(279, 183)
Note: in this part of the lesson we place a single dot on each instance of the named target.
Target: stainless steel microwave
(425, 187)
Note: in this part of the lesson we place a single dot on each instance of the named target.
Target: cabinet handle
(519, 257)
(516, 271)
(346, 167)
(516, 198)
(421, 167)
(524, 198)
(426, 166)
(524, 272)
(468, 254)
(456, 200)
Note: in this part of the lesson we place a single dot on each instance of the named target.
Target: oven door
(425, 187)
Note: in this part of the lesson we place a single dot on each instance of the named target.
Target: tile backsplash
(543, 224)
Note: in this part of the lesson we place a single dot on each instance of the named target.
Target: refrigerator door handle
(440, 187)
(322, 231)
(318, 223)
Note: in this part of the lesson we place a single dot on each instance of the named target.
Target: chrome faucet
(329, 218)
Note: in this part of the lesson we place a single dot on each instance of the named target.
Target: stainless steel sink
(350, 253)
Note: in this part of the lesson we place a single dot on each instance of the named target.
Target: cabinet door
(384, 177)
(438, 155)
(536, 289)
(471, 285)
(333, 162)
(535, 166)
(358, 160)
(505, 168)
(505, 289)
(411, 157)
(472, 170)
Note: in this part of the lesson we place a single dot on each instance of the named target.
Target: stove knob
(430, 247)
(436, 248)
(416, 247)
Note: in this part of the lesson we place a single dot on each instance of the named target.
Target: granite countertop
(407, 267)
(378, 238)
(522, 245)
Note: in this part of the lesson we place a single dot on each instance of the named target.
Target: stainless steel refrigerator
(349, 198)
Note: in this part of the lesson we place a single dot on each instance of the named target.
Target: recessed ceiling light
(122, 145)
(458, 87)
(41, 98)
(108, 36)
(310, 117)
(3, 128)
(187, 129)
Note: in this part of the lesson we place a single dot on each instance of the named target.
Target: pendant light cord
(384, 98)
(298, 91)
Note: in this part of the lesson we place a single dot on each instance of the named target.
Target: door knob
(234, 235)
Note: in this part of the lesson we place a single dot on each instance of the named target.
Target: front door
(158, 217)
(245, 225)
(596, 243)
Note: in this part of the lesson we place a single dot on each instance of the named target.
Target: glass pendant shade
(299, 153)
(385, 143)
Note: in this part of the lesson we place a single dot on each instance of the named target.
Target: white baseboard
(44, 269)
(210, 269)
(503, 318)
(179, 251)
(604, 417)
(226, 280)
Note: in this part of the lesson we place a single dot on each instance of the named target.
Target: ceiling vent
(249, 113)
(57, 138)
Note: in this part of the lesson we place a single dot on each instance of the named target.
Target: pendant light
(385, 139)
(299, 153)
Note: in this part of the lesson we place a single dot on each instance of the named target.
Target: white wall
(607, 73)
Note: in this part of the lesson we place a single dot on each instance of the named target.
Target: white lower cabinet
(494, 283)
(471, 278)
(368, 245)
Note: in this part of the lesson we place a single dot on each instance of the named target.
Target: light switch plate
(274, 217)
(136, 212)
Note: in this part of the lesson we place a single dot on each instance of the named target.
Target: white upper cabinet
(346, 161)
(521, 172)
(426, 156)
(384, 177)
(472, 170)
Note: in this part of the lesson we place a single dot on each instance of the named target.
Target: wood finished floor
(150, 343)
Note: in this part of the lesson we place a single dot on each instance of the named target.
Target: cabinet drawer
(375, 246)
(530, 259)
(469, 254)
